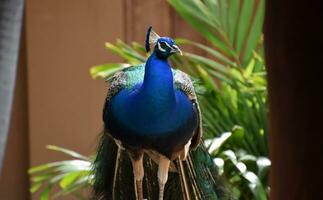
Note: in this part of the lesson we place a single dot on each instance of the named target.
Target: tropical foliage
(71, 176)
(234, 110)
(231, 83)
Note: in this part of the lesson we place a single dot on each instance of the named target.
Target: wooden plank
(140, 14)
(64, 38)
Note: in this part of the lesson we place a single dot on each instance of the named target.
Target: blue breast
(152, 114)
(141, 127)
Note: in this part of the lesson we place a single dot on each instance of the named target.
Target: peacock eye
(163, 45)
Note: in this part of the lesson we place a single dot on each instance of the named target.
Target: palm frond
(71, 176)
(233, 27)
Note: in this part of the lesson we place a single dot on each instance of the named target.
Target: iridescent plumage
(134, 75)
(152, 109)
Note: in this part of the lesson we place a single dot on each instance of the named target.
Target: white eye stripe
(175, 46)
(168, 45)
(160, 48)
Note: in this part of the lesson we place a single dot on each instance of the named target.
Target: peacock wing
(125, 78)
(184, 83)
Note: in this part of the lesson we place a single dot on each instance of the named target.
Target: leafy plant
(238, 103)
(231, 82)
(71, 176)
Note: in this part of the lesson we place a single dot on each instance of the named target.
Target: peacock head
(163, 46)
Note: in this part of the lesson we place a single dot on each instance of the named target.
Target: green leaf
(57, 178)
(41, 177)
(38, 168)
(68, 152)
(224, 14)
(120, 52)
(210, 63)
(138, 47)
(74, 166)
(106, 70)
(214, 7)
(233, 18)
(253, 182)
(249, 69)
(206, 25)
(208, 81)
(244, 22)
(255, 32)
(45, 193)
(255, 186)
(263, 164)
(69, 179)
(35, 187)
(238, 133)
(209, 50)
(126, 49)
(68, 164)
(215, 144)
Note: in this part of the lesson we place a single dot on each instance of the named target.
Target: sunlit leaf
(67, 151)
(45, 193)
(214, 144)
(244, 22)
(69, 179)
(255, 32)
(106, 70)
(35, 187)
(233, 18)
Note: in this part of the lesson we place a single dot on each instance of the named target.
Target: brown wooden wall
(56, 101)
(294, 64)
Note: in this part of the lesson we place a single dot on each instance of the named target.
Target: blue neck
(157, 90)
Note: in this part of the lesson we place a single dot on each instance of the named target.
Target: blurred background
(56, 101)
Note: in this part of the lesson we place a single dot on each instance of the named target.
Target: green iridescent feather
(135, 74)
(195, 179)
(198, 173)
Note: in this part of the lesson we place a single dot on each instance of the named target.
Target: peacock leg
(163, 167)
(138, 172)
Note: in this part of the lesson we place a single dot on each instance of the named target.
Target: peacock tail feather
(196, 178)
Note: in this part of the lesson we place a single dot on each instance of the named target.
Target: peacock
(152, 121)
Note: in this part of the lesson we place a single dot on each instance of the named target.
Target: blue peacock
(151, 121)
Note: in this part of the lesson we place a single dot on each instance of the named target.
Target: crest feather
(151, 38)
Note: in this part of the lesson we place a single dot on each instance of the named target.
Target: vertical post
(10, 28)
(294, 59)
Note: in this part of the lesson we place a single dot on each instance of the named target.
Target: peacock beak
(176, 49)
